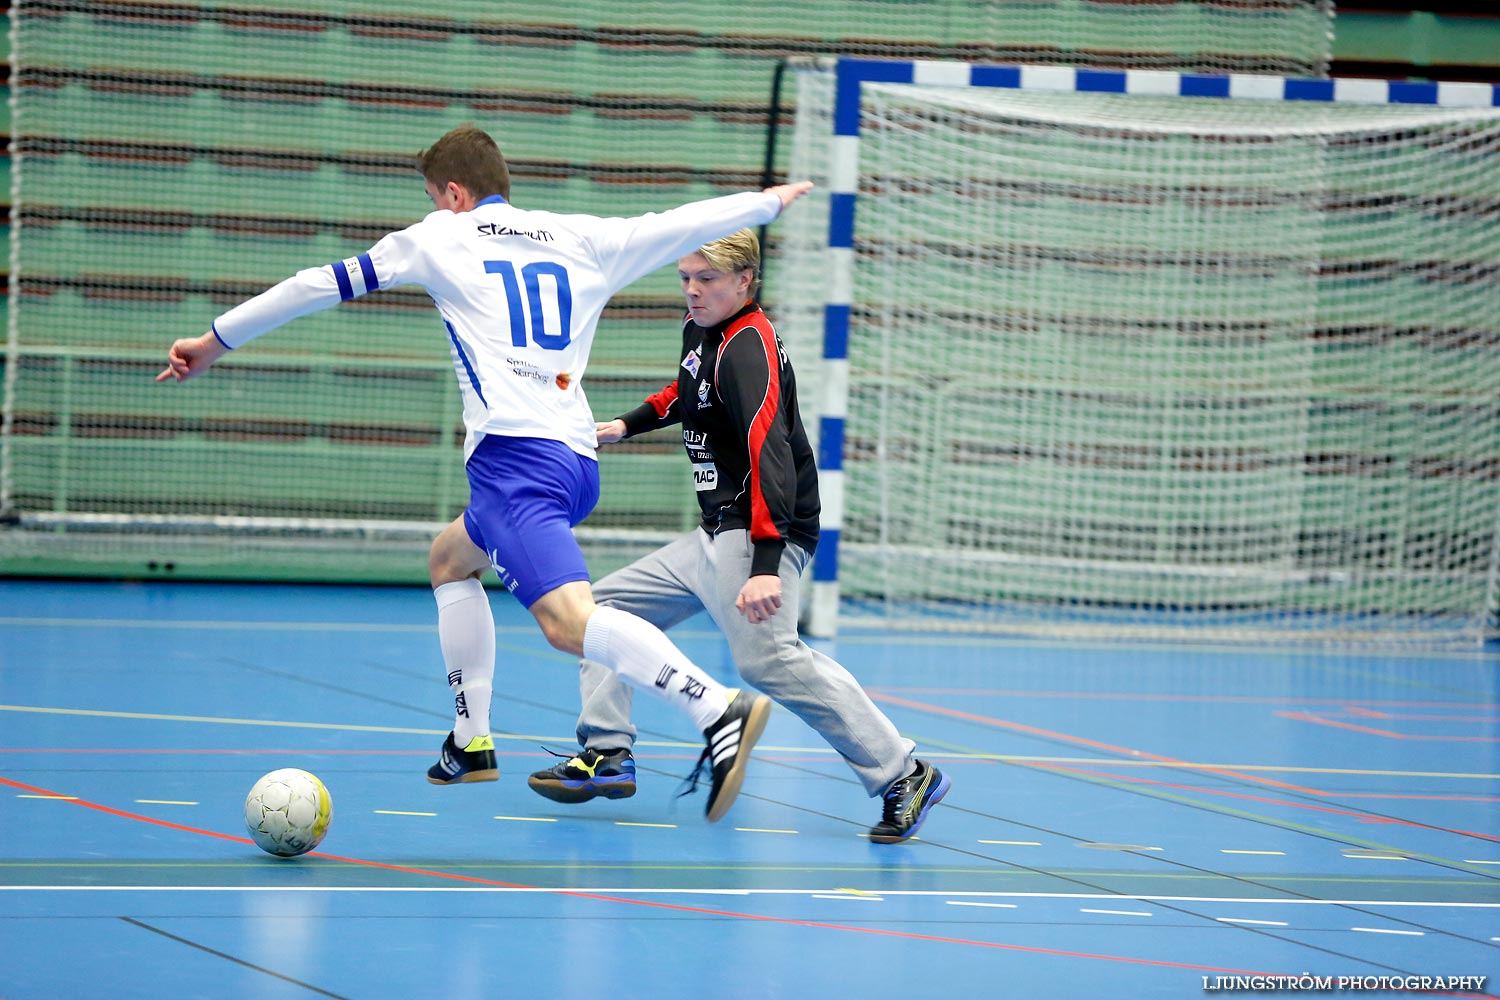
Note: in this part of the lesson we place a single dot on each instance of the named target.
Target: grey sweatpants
(705, 572)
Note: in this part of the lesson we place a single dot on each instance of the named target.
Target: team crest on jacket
(692, 361)
(703, 394)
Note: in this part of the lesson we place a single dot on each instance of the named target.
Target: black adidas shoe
(475, 762)
(907, 803)
(610, 773)
(728, 752)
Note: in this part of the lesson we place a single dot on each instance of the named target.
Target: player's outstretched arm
(192, 356)
(789, 193)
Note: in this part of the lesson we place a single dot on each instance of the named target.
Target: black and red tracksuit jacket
(736, 398)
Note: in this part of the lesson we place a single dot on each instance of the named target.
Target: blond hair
(470, 157)
(734, 253)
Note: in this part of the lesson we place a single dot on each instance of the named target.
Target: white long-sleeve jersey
(520, 294)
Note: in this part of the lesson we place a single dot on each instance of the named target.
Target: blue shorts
(525, 495)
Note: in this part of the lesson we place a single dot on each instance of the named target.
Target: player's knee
(772, 670)
(563, 627)
(564, 636)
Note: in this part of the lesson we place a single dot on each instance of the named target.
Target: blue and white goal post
(1137, 352)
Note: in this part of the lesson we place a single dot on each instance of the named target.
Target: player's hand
(760, 598)
(192, 356)
(789, 193)
(610, 431)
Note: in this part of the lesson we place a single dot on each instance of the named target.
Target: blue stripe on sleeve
(346, 289)
(366, 268)
(214, 327)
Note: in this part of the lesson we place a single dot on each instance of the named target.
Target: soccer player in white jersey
(520, 293)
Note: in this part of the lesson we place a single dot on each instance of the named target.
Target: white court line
(965, 902)
(399, 812)
(1247, 920)
(863, 898)
(1381, 930)
(646, 891)
(1116, 913)
(850, 638)
(164, 802)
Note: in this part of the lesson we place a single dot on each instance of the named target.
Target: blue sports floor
(1125, 821)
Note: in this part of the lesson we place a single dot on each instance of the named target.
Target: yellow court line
(760, 748)
(528, 819)
(56, 798)
(163, 802)
(754, 829)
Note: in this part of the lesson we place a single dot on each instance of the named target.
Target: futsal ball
(287, 812)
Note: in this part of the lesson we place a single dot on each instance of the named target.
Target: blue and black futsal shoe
(728, 752)
(610, 773)
(907, 803)
(475, 762)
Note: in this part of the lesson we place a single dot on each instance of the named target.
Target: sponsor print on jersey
(495, 229)
(696, 443)
(693, 360)
(705, 476)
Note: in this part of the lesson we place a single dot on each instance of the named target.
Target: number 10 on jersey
(532, 276)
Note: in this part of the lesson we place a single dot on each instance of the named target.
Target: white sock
(643, 656)
(466, 632)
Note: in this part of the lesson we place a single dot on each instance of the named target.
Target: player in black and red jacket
(736, 398)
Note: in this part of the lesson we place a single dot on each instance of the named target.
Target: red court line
(677, 907)
(1362, 817)
(1370, 713)
(1318, 720)
(1094, 744)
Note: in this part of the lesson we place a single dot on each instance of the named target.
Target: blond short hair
(734, 253)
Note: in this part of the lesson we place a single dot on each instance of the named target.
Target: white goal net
(1168, 366)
